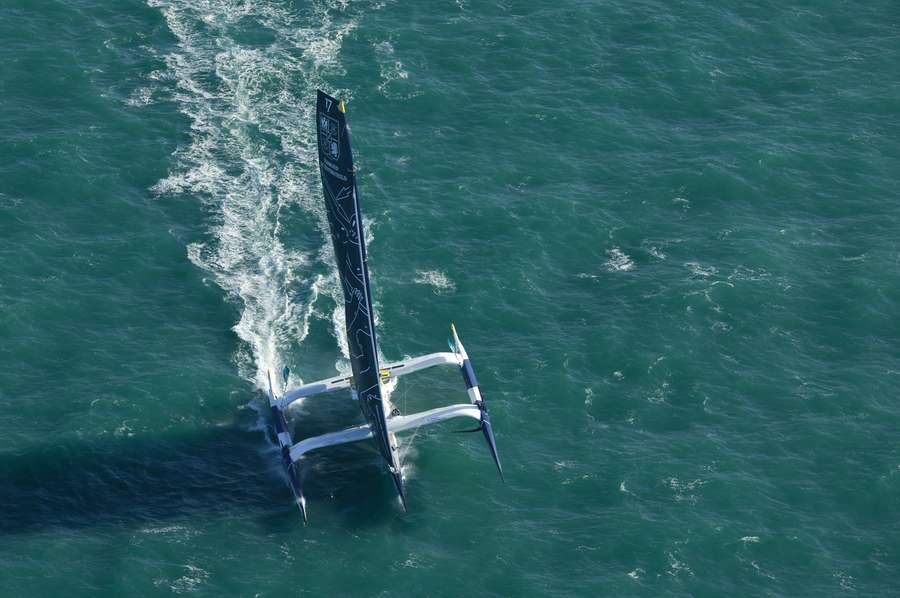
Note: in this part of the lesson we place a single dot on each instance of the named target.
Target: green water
(667, 233)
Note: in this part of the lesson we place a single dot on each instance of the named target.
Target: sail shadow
(136, 481)
(141, 481)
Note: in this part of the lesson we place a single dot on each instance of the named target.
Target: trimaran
(367, 379)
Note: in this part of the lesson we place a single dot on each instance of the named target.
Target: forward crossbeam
(391, 370)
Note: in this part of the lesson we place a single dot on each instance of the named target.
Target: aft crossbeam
(400, 423)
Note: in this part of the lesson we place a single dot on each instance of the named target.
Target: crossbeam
(399, 368)
(400, 423)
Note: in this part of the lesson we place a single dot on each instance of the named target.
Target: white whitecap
(618, 261)
(142, 96)
(700, 270)
(656, 252)
(437, 280)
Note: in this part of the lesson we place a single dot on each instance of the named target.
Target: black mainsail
(345, 220)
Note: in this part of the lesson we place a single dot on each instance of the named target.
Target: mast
(345, 221)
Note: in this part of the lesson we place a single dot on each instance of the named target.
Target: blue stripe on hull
(469, 374)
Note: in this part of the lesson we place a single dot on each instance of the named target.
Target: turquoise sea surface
(666, 231)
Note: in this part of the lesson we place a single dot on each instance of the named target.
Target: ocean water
(667, 234)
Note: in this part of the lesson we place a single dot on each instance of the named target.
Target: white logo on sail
(329, 136)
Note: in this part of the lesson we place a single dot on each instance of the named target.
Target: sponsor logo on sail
(329, 136)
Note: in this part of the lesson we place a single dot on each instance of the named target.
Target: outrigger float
(367, 380)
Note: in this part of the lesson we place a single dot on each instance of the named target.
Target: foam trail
(238, 99)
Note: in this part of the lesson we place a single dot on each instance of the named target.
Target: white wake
(238, 99)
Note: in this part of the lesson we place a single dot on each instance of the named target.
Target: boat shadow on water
(143, 481)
